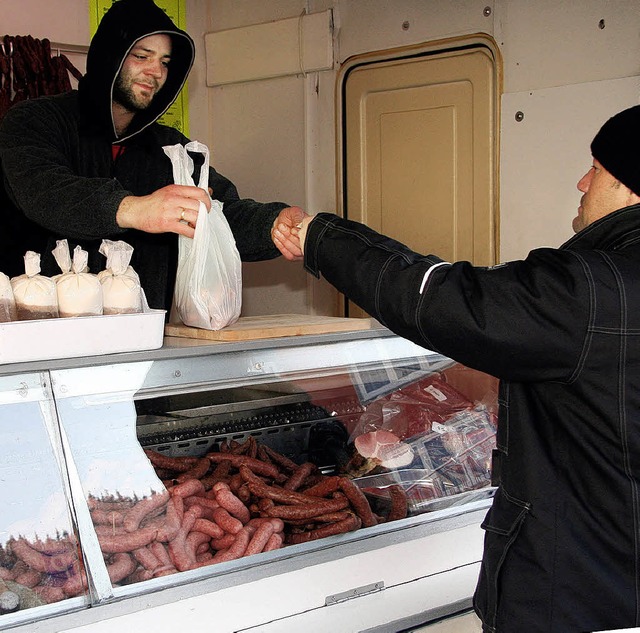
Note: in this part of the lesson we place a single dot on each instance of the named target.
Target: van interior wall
(566, 67)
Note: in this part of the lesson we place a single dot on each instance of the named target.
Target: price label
(436, 393)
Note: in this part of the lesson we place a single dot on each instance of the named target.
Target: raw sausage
(258, 467)
(107, 517)
(280, 459)
(324, 488)
(135, 515)
(279, 495)
(232, 504)
(309, 510)
(398, 508)
(298, 476)
(224, 542)
(358, 501)
(180, 554)
(180, 464)
(160, 552)
(117, 542)
(226, 521)
(172, 520)
(42, 562)
(199, 470)
(213, 530)
(340, 527)
(146, 558)
(259, 539)
(188, 488)
(121, 566)
(275, 542)
(236, 549)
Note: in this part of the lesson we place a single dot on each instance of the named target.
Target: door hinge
(354, 593)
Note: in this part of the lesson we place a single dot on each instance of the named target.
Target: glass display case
(322, 469)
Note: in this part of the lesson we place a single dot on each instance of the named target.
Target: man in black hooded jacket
(89, 164)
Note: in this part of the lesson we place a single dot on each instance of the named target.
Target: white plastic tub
(47, 339)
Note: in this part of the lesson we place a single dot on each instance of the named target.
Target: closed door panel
(419, 152)
(424, 166)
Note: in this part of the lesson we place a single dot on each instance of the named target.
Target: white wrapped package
(35, 294)
(63, 258)
(79, 293)
(121, 291)
(7, 301)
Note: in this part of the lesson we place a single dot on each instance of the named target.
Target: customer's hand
(284, 232)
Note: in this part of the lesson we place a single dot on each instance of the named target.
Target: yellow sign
(177, 115)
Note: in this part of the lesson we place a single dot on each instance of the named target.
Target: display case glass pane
(189, 463)
(125, 502)
(39, 553)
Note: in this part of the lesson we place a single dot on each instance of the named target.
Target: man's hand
(285, 232)
(172, 209)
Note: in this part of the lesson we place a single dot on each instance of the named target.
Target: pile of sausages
(261, 484)
(50, 567)
(238, 501)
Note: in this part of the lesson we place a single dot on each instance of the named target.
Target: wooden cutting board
(273, 326)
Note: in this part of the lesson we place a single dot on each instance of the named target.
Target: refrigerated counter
(98, 527)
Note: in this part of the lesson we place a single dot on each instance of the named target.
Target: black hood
(126, 22)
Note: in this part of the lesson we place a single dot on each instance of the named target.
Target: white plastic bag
(208, 292)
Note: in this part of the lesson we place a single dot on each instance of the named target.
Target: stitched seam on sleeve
(381, 274)
(592, 308)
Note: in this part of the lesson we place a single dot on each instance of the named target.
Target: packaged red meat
(431, 427)
(457, 454)
(385, 448)
(477, 386)
(413, 409)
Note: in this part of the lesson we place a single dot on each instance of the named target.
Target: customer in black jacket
(561, 329)
(89, 164)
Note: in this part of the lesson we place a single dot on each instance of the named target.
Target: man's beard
(124, 95)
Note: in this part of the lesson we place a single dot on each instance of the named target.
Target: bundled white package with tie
(79, 293)
(121, 291)
(35, 294)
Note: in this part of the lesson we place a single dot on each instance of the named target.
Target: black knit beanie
(617, 147)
